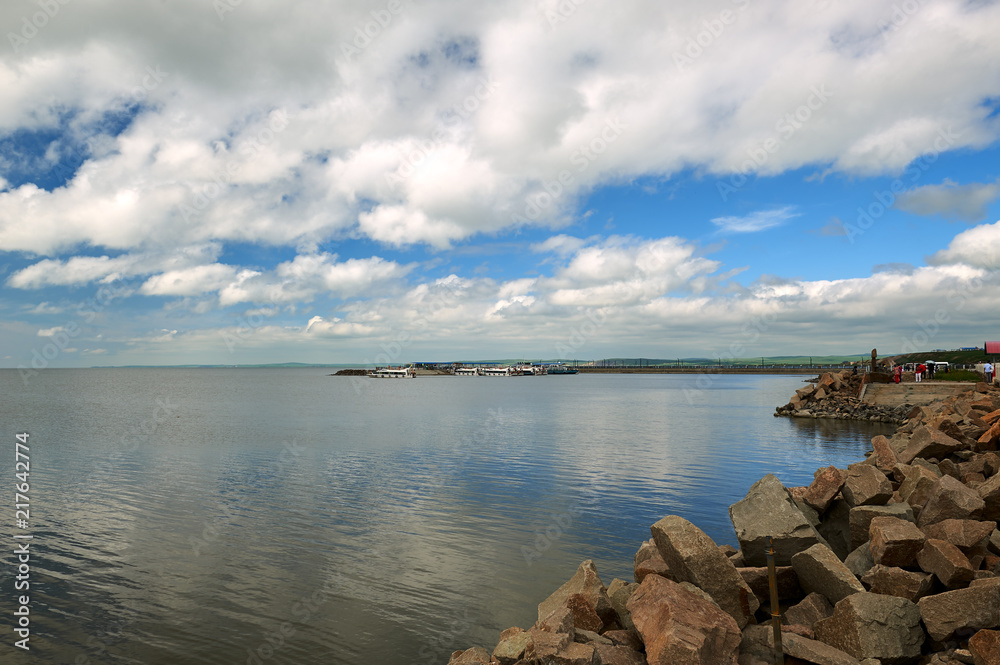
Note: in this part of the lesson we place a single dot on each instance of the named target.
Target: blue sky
(226, 183)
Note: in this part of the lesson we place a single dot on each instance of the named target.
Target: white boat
(466, 371)
(495, 371)
(393, 373)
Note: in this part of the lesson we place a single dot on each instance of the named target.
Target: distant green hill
(955, 357)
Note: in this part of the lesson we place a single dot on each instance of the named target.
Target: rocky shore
(837, 395)
(894, 560)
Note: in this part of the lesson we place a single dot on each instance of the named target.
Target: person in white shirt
(988, 369)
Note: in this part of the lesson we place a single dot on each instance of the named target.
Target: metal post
(772, 583)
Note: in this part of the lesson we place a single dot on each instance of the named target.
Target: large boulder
(769, 510)
(836, 527)
(587, 583)
(946, 562)
(866, 485)
(511, 646)
(679, 628)
(962, 611)
(950, 499)
(927, 442)
(820, 571)
(893, 581)
(985, 647)
(964, 534)
(861, 518)
(473, 656)
(694, 557)
(894, 542)
(885, 458)
(870, 625)
(824, 488)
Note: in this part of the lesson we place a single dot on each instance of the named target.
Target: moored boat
(393, 373)
(561, 369)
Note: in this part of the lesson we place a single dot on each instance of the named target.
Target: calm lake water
(287, 516)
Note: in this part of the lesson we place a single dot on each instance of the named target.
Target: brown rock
(894, 542)
(587, 583)
(824, 488)
(756, 578)
(473, 656)
(694, 557)
(645, 551)
(885, 458)
(893, 581)
(950, 499)
(584, 614)
(961, 611)
(927, 442)
(992, 417)
(964, 534)
(679, 628)
(989, 492)
(820, 571)
(866, 485)
(985, 647)
(836, 527)
(654, 565)
(617, 655)
(545, 645)
(861, 518)
(811, 609)
(870, 625)
(946, 562)
(625, 638)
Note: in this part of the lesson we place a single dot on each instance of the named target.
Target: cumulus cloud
(458, 120)
(979, 246)
(968, 203)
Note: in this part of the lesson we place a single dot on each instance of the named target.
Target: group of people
(919, 372)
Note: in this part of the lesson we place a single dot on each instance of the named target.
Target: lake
(287, 516)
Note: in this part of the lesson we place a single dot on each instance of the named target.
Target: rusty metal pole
(772, 583)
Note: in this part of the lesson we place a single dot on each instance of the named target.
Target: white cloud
(979, 246)
(598, 98)
(757, 221)
(950, 200)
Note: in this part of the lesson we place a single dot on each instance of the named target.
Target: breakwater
(895, 559)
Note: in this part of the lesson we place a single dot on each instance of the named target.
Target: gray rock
(860, 561)
(820, 571)
(694, 557)
(769, 510)
(870, 625)
(836, 528)
(812, 651)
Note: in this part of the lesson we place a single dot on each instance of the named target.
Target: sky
(253, 181)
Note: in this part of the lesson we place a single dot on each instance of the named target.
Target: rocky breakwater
(891, 561)
(836, 395)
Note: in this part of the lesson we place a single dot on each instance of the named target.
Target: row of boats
(462, 370)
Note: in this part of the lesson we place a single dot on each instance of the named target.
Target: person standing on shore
(988, 370)
(920, 371)
(897, 374)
